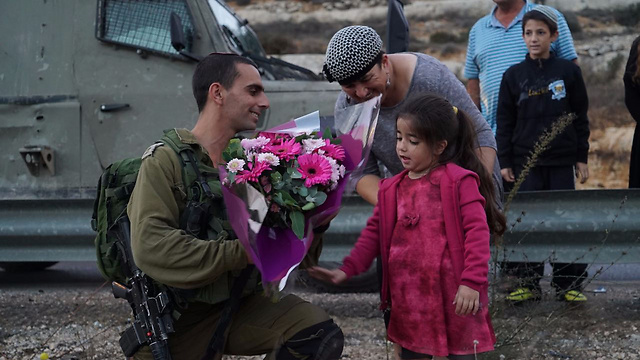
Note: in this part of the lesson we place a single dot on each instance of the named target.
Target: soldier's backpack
(114, 190)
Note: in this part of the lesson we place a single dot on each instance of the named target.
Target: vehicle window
(236, 30)
(142, 24)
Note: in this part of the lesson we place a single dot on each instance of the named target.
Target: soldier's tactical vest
(205, 217)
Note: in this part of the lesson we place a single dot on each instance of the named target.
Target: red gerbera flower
(276, 138)
(252, 175)
(334, 151)
(287, 150)
(315, 169)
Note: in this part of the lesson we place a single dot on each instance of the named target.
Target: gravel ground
(84, 323)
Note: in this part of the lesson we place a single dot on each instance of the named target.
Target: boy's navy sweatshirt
(534, 94)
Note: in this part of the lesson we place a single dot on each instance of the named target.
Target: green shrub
(441, 37)
(572, 22)
(628, 16)
(277, 43)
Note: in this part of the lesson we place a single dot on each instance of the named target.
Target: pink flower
(266, 184)
(254, 144)
(287, 150)
(315, 169)
(334, 151)
(252, 175)
(276, 138)
(274, 208)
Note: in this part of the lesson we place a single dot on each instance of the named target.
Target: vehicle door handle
(113, 107)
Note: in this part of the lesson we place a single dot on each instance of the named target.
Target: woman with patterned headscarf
(356, 61)
(632, 100)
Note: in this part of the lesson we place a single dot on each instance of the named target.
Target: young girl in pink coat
(431, 226)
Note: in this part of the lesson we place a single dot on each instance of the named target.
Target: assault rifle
(151, 306)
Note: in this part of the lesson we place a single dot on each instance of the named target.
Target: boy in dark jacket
(533, 95)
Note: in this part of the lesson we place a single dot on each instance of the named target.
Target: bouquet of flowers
(283, 182)
(294, 174)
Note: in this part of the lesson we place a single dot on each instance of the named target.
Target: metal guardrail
(585, 226)
(46, 230)
(589, 226)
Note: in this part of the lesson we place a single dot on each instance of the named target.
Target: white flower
(337, 171)
(253, 144)
(312, 144)
(250, 155)
(270, 158)
(234, 165)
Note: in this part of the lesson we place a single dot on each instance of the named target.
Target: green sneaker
(574, 296)
(522, 294)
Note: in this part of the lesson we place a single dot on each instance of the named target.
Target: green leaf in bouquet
(276, 177)
(327, 133)
(233, 150)
(319, 198)
(294, 173)
(288, 199)
(277, 180)
(309, 206)
(313, 191)
(297, 223)
(277, 197)
(302, 136)
(303, 191)
(231, 176)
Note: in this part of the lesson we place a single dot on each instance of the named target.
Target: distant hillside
(602, 29)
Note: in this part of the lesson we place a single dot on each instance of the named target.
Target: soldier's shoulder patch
(151, 149)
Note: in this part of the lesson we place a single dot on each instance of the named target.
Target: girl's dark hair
(636, 75)
(434, 119)
(537, 15)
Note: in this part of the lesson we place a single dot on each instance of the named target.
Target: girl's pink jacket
(466, 229)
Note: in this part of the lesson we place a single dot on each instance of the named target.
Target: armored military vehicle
(85, 83)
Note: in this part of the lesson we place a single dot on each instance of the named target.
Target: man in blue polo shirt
(495, 43)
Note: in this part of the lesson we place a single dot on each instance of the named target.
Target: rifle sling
(216, 344)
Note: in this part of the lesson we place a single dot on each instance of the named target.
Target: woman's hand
(467, 301)
(507, 174)
(582, 172)
(335, 276)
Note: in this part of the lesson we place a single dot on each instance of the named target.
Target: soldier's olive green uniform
(172, 257)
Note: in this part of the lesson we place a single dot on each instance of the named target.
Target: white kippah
(547, 11)
(351, 53)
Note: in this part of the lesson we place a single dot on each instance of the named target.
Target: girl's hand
(335, 276)
(582, 172)
(507, 175)
(467, 301)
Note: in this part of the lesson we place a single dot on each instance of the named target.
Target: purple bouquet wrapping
(283, 182)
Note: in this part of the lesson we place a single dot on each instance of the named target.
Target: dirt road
(84, 322)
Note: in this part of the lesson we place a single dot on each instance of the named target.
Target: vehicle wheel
(26, 266)
(363, 283)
